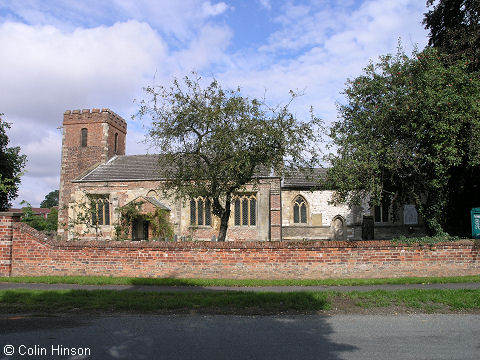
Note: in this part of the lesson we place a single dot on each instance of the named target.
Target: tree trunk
(222, 234)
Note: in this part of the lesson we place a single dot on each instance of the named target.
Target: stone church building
(94, 166)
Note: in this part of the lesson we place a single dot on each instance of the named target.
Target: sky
(65, 54)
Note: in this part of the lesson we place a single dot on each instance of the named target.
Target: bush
(425, 240)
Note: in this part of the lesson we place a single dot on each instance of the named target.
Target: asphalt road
(212, 337)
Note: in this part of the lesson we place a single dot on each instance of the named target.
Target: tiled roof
(152, 201)
(145, 167)
(125, 168)
(305, 179)
(136, 167)
(157, 203)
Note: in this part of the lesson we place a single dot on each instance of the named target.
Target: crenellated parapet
(95, 115)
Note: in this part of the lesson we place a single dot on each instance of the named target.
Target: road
(230, 337)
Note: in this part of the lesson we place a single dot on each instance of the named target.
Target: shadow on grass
(215, 302)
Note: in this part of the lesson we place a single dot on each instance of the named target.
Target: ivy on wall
(159, 220)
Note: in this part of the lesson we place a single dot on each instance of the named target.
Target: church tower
(90, 138)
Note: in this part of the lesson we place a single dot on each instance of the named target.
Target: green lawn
(425, 300)
(225, 302)
(110, 300)
(98, 280)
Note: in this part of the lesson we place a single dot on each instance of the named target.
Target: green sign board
(475, 223)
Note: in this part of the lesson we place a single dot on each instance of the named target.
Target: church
(94, 166)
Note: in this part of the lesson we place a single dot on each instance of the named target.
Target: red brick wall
(275, 211)
(33, 255)
(6, 235)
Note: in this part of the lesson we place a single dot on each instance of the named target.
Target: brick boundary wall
(7, 220)
(32, 255)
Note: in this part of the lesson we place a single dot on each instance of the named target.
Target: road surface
(210, 337)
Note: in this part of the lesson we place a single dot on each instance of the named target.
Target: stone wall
(321, 216)
(27, 253)
(120, 193)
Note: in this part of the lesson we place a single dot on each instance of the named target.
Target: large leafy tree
(455, 29)
(407, 125)
(214, 141)
(11, 165)
(51, 199)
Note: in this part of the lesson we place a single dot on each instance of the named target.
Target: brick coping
(207, 245)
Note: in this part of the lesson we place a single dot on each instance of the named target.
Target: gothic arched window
(299, 210)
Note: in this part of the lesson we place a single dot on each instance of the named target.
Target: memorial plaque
(410, 215)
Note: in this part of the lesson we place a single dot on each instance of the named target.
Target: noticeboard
(475, 223)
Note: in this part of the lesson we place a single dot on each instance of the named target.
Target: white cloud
(71, 55)
(47, 70)
(209, 9)
(207, 50)
(179, 19)
(319, 48)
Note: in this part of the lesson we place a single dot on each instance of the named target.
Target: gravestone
(368, 227)
(410, 215)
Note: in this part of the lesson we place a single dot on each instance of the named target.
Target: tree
(37, 221)
(51, 199)
(52, 220)
(408, 124)
(11, 165)
(455, 30)
(85, 219)
(214, 141)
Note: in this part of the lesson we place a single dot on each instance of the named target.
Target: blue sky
(65, 54)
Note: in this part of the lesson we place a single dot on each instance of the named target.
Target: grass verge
(424, 300)
(100, 280)
(224, 302)
(12, 301)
